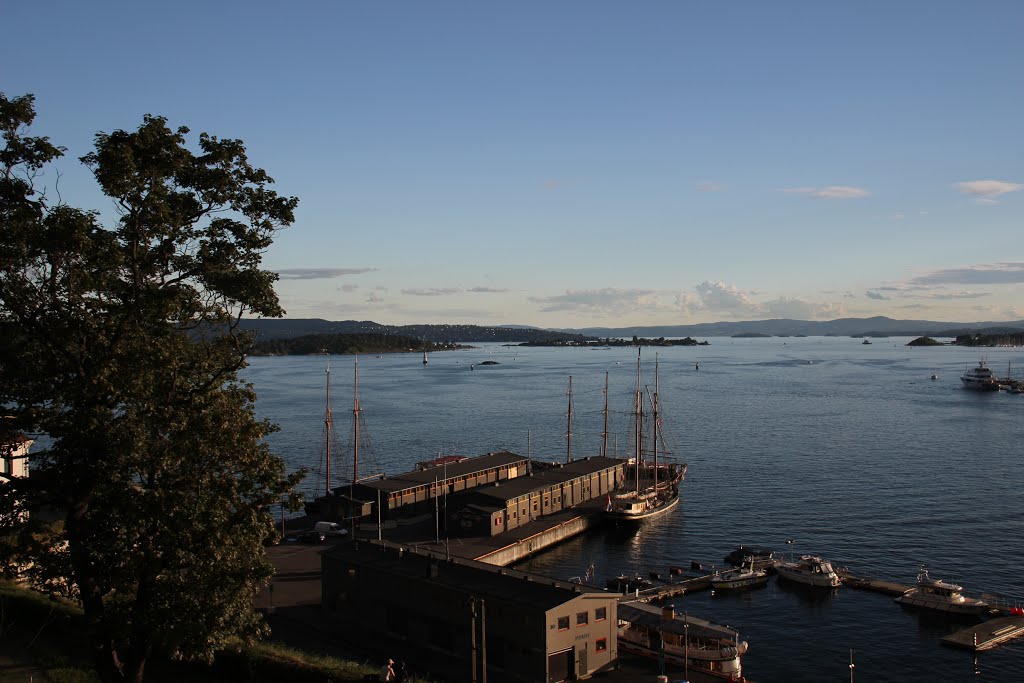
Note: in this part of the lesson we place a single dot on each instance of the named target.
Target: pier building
(413, 493)
(549, 489)
(468, 617)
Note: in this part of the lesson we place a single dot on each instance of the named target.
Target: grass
(41, 639)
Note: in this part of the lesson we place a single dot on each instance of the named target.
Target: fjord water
(849, 450)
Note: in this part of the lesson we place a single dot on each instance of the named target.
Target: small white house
(14, 457)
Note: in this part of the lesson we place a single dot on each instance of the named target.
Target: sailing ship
(651, 486)
(324, 503)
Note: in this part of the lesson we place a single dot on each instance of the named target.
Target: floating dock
(987, 634)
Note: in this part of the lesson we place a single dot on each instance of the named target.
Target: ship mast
(568, 426)
(355, 422)
(638, 407)
(655, 415)
(327, 432)
(604, 434)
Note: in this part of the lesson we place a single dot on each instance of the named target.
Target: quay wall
(525, 547)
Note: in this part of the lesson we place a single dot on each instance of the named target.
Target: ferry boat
(746, 576)
(980, 378)
(810, 570)
(688, 642)
(935, 594)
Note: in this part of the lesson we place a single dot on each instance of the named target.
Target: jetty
(987, 634)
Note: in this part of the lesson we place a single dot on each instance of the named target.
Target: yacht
(980, 378)
(940, 595)
(810, 570)
(688, 642)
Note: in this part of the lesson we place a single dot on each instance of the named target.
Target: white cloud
(983, 274)
(602, 302)
(785, 307)
(986, 191)
(719, 296)
(374, 298)
(486, 290)
(829, 192)
(710, 186)
(432, 291)
(320, 273)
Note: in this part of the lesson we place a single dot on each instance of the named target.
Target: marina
(751, 423)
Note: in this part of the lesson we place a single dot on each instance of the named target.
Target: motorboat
(696, 644)
(810, 570)
(980, 378)
(935, 594)
(764, 558)
(746, 576)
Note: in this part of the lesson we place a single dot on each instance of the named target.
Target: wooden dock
(987, 634)
(877, 585)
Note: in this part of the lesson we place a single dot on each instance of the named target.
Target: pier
(987, 634)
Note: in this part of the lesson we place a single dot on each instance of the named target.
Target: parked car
(312, 537)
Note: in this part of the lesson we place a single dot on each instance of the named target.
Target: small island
(608, 342)
(344, 344)
(751, 335)
(925, 341)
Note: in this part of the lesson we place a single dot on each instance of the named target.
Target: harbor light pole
(686, 648)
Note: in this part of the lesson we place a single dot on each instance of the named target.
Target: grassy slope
(42, 640)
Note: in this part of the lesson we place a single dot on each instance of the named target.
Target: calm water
(848, 449)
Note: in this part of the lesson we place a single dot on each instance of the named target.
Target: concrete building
(458, 619)
(506, 505)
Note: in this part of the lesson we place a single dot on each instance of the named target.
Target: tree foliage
(120, 344)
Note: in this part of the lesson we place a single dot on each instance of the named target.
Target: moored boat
(809, 570)
(935, 594)
(688, 642)
(980, 378)
(651, 488)
(747, 576)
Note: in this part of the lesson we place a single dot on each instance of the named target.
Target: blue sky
(575, 164)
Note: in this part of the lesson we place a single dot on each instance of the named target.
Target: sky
(578, 163)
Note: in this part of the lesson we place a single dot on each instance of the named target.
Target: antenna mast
(568, 426)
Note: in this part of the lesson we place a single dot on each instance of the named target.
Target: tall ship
(651, 486)
(980, 378)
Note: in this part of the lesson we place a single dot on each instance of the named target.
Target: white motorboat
(980, 378)
(810, 570)
(746, 576)
(688, 642)
(935, 594)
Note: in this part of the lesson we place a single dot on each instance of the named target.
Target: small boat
(980, 378)
(746, 576)
(688, 642)
(865, 342)
(934, 376)
(763, 558)
(942, 596)
(810, 570)
(628, 584)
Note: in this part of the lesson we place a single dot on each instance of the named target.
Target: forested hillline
(1004, 339)
(344, 344)
(272, 329)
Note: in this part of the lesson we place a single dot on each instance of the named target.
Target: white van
(330, 529)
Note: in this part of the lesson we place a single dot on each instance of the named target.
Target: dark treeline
(341, 344)
(609, 341)
(1006, 339)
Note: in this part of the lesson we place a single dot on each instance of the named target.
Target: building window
(601, 644)
(600, 614)
(563, 623)
(582, 618)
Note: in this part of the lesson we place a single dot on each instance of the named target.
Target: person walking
(401, 675)
(387, 673)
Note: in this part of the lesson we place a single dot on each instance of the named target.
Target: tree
(120, 344)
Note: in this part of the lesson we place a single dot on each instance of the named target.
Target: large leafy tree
(119, 343)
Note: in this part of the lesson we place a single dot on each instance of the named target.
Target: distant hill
(272, 329)
(879, 326)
